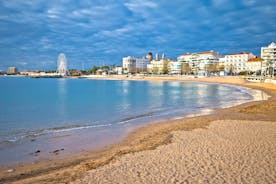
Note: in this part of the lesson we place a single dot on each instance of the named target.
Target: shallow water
(50, 114)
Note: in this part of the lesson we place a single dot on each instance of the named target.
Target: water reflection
(62, 93)
(125, 87)
(125, 102)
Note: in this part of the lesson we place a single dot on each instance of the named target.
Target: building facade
(175, 67)
(201, 62)
(157, 66)
(12, 71)
(237, 62)
(118, 70)
(133, 64)
(268, 55)
(254, 64)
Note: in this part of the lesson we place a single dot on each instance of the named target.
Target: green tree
(105, 67)
(94, 69)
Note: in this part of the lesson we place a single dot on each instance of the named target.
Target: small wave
(68, 128)
(132, 118)
(137, 117)
(53, 130)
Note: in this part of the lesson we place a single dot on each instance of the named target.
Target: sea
(39, 116)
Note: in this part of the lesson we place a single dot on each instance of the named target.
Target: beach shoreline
(148, 137)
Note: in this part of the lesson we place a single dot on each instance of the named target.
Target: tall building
(201, 62)
(268, 55)
(133, 64)
(12, 71)
(163, 56)
(237, 62)
(156, 57)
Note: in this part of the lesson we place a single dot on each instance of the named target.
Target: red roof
(208, 52)
(256, 59)
(239, 53)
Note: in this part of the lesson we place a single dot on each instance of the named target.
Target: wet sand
(213, 156)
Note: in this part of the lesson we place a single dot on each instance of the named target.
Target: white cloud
(249, 2)
(92, 11)
(137, 4)
(54, 13)
(141, 7)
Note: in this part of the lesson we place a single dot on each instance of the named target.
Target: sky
(101, 32)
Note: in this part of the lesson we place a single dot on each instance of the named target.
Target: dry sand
(227, 152)
(235, 145)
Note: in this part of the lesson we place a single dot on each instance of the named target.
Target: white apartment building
(268, 55)
(175, 67)
(237, 62)
(129, 64)
(133, 64)
(118, 70)
(192, 60)
(254, 64)
(200, 61)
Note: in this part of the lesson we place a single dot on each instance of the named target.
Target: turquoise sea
(79, 114)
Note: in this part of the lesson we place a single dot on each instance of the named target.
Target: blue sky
(98, 32)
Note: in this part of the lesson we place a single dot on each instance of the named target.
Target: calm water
(33, 108)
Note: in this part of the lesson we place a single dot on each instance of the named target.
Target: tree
(94, 69)
(186, 69)
(105, 67)
(112, 66)
(74, 72)
(165, 66)
(211, 68)
(231, 70)
(155, 70)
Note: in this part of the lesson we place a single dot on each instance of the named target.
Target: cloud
(141, 8)
(139, 4)
(97, 31)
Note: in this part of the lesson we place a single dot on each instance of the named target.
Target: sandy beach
(233, 145)
(228, 151)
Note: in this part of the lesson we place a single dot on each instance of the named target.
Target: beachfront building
(12, 71)
(133, 64)
(175, 67)
(221, 67)
(141, 65)
(201, 63)
(191, 60)
(118, 70)
(129, 64)
(237, 62)
(157, 66)
(268, 55)
(254, 64)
